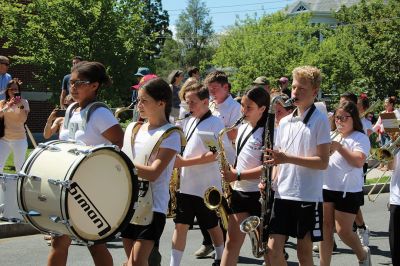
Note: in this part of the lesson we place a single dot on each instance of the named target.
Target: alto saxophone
(213, 198)
(254, 225)
(173, 188)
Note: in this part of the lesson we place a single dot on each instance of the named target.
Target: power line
(216, 7)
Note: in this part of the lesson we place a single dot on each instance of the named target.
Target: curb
(8, 229)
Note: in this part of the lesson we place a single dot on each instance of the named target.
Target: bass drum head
(101, 196)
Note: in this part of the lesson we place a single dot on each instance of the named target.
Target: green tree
(121, 34)
(194, 30)
(375, 44)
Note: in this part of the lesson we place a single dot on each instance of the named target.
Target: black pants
(394, 234)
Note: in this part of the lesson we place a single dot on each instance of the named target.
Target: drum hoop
(130, 212)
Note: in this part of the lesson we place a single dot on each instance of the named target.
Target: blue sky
(224, 12)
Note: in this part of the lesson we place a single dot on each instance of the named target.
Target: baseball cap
(283, 80)
(143, 80)
(142, 71)
(261, 81)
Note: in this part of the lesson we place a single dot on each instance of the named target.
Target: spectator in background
(15, 111)
(264, 82)
(175, 79)
(4, 76)
(194, 72)
(54, 122)
(141, 72)
(65, 83)
(283, 86)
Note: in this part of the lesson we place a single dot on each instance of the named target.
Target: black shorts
(190, 206)
(245, 202)
(296, 219)
(350, 204)
(152, 231)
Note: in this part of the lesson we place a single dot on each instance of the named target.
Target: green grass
(9, 167)
(372, 181)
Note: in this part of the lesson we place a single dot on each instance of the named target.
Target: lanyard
(204, 117)
(241, 144)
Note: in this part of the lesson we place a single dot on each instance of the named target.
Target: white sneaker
(363, 234)
(367, 261)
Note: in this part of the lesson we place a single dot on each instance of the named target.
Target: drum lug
(116, 148)
(49, 147)
(33, 177)
(78, 152)
(57, 219)
(30, 213)
(65, 184)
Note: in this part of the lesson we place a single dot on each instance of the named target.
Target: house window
(301, 8)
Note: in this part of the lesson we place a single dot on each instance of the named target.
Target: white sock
(176, 257)
(218, 252)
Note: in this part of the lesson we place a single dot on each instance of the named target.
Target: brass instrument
(185, 116)
(254, 226)
(213, 199)
(173, 188)
(120, 110)
(385, 154)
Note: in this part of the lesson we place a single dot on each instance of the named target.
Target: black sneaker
(216, 263)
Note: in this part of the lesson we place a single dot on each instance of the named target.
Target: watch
(238, 176)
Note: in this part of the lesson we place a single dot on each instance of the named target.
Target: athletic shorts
(190, 206)
(296, 219)
(245, 202)
(152, 231)
(350, 204)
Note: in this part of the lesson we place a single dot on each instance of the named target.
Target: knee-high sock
(176, 257)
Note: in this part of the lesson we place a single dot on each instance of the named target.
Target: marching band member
(343, 184)
(246, 171)
(302, 150)
(102, 128)
(394, 208)
(154, 104)
(199, 172)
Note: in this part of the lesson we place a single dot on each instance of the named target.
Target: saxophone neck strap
(241, 143)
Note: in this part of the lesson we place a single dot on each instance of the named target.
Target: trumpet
(213, 199)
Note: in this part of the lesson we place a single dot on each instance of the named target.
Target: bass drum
(82, 191)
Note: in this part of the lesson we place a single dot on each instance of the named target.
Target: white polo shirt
(366, 124)
(229, 112)
(340, 175)
(249, 157)
(296, 138)
(395, 182)
(196, 179)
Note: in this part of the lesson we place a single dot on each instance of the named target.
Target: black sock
(354, 226)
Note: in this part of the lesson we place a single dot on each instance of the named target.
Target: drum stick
(30, 136)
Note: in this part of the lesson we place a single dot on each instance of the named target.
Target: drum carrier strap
(85, 112)
(144, 206)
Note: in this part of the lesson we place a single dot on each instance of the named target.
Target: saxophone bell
(214, 201)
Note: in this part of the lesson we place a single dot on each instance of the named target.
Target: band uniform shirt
(340, 175)
(296, 138)
(229, 112)
(14, 120)
(159, 187)
(249, 156)
(100, 120)
(196, 179)
(395, 182)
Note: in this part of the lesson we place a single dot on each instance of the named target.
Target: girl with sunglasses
(343, 184)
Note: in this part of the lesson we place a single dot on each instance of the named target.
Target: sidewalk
(8, 229)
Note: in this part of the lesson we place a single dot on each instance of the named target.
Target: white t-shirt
(340, 175)
(366, 124)
(196, 179)
(100, 120)
(294, 137)
(159, 187)
(249, 156)
(229, 112)
(395, 182)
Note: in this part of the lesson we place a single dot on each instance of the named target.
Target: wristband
(238, 176)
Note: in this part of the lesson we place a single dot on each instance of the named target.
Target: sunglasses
(7, 64)
(342, 118)
(78, 82)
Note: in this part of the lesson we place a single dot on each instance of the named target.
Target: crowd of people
(318, 160)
